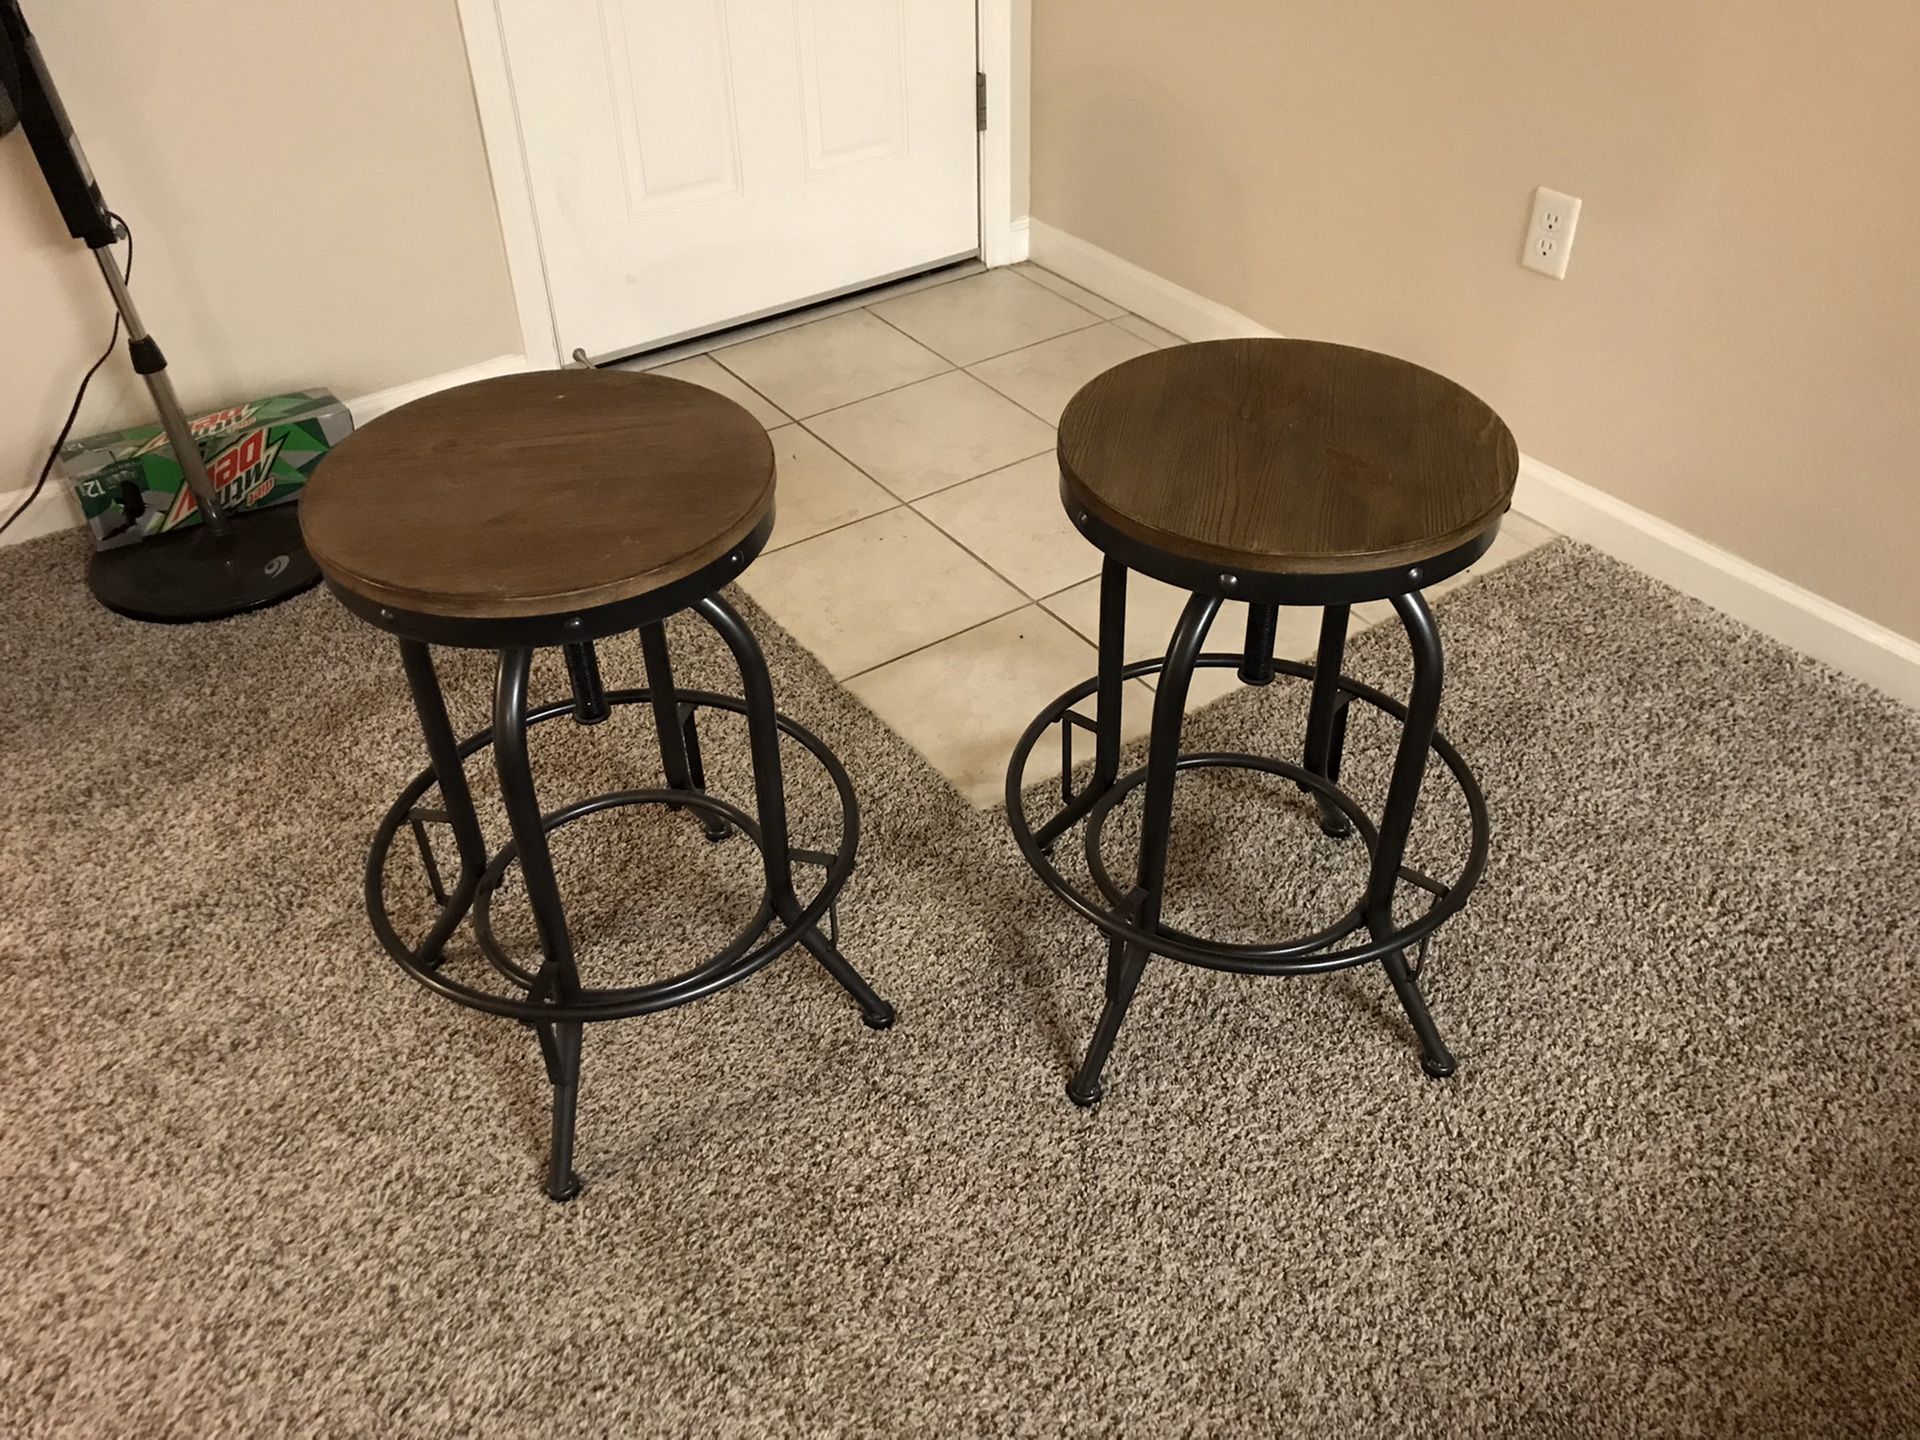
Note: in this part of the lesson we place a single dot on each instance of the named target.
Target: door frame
(513, 186)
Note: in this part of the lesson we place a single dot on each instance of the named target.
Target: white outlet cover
(1549, 242)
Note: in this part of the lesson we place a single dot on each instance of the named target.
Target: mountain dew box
(257, 454)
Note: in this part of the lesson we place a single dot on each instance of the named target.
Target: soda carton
(257, 454)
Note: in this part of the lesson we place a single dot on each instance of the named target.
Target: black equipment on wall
(230, 562)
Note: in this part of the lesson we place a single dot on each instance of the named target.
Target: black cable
(73, 411)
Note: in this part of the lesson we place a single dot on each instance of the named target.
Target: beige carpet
(257, 1182)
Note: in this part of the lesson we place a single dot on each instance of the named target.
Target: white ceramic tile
(816, 489)
(925, 437)
(964, 702)
(1043, 377)
(1013, 520)
(1517, 536)
(830, 362)
(704, 371)
(873, 590)
(1148, 331)
(1153, 609)
(987, 315)
(1085, 299)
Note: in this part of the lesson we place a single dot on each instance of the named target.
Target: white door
(695, 163)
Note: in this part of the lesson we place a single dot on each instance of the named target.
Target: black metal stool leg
(1327, 716)
(763, 734)
(679, 742)
(1126, 963)
(1109, 696)
(1112, 689)
(558, 977)
(563, 1069)
(1126, 960)
(1403, 793)
(443, 755)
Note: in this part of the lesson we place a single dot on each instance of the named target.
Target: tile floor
(920, 548)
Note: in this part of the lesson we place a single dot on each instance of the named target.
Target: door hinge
(980, 99)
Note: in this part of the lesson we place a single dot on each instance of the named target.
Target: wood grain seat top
(533, 495)
(1285, 457)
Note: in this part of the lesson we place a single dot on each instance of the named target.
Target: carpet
(258, 1182)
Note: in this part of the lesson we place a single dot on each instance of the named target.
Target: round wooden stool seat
(540, 495)
(1270, 459)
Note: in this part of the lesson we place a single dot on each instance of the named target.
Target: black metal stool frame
(556, 1005)
(1131, 918)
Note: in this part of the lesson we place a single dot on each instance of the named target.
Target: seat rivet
(1413, 576)
(386, 615)
(1229, 582)
(574, 622)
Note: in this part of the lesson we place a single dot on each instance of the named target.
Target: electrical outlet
(1550, 232)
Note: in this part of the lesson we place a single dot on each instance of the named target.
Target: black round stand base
(567, 1191)
(197, 575)
(1086, 1101)
(877, 1019)
(1438, 1069)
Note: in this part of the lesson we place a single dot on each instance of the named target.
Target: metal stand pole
(151, 366)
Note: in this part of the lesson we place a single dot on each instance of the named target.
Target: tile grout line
(1000, 355)
(971, 478)
(964, 630)
(958, 544)
(858, 468)
(752, 390)
(1055, 422)
(961, 545)
(950, 369)
(925, 495)
(815, 414)
(1103, 299)
(835, 529)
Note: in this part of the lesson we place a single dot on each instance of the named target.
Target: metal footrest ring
(1308, 954)
(740, 958)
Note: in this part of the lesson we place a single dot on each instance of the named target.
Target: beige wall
(309, 198)
(1737, 346)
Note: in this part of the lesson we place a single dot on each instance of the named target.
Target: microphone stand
(231, 561)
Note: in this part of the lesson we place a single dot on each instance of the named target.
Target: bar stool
(1278, 472)
(558, 509)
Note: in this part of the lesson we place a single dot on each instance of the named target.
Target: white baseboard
(56, 509)
(1790, 613)
(1019, 240)
(1170, 306)
(371, 407)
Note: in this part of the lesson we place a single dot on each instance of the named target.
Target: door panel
(671, 82)
(853, 81)
(699, 162)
